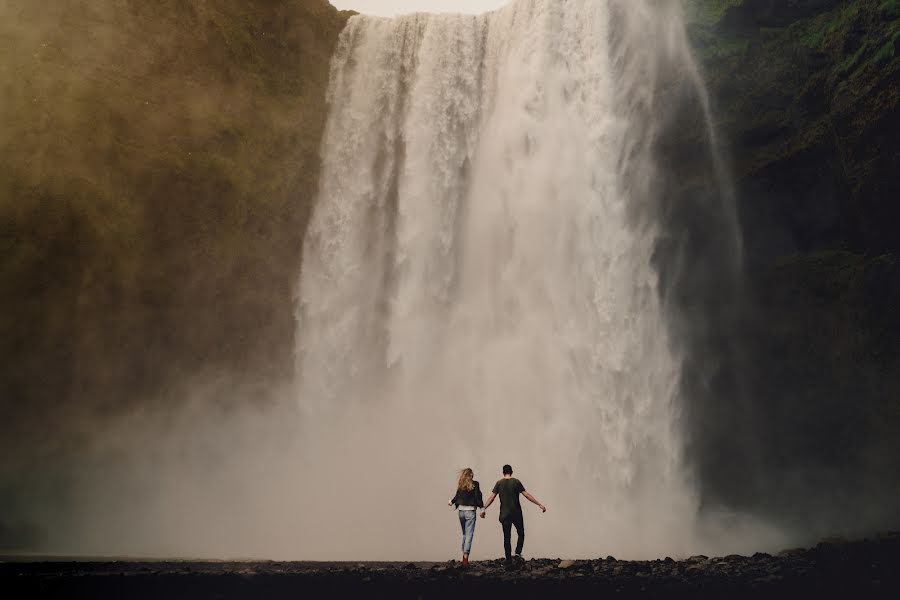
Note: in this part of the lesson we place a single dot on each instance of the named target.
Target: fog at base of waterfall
(477, 289)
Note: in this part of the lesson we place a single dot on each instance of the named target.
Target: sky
(390, 8)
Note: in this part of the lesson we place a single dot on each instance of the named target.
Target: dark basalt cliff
(811, 101)
(802, 414)
(159, 164)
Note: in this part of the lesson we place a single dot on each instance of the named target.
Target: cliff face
(159, 163)
(813, 100)
(802, 418)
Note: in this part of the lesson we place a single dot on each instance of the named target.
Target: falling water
(477, 286)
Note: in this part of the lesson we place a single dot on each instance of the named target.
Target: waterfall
(477, 286)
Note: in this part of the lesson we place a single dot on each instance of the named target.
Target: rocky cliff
(802, 414)
(159, 163)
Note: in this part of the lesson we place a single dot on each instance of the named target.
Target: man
(509, 488)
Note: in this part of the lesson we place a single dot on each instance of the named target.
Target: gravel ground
(868, 568)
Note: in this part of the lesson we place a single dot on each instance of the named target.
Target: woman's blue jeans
(467, 519)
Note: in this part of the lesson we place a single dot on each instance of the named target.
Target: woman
(467, 501)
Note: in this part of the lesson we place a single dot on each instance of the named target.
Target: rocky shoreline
(866, 568)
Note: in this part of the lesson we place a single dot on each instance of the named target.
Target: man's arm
(532, 500)
(488, 503)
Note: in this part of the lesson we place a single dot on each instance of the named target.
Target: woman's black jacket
(470, 498)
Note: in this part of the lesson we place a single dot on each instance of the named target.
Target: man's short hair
(507, 470)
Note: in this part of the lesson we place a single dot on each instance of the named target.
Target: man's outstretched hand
(483, 513)
(543, 508)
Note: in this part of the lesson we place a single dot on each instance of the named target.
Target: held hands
(543, 508)
(483, 513)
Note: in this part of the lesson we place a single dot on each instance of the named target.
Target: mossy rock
(160, 162)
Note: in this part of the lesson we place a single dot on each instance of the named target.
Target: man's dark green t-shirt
(509, 490)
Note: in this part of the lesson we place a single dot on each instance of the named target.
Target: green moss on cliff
(708, 12)
(806, 95)
(160, 160)
(795, 90)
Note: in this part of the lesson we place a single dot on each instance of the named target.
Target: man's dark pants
(518, 521)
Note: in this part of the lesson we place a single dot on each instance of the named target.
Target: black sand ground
(837, 569)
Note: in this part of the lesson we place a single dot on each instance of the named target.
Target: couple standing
(468, 500)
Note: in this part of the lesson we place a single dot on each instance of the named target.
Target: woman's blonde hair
(466, 483)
